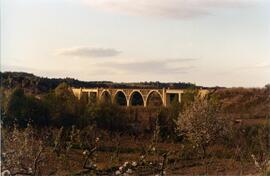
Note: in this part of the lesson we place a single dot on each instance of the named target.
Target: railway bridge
(131, 97)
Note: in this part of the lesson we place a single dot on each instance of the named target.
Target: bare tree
(202, 124)
(22, 154)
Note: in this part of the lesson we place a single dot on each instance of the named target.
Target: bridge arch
(154, 98)
(136, 98)
(105, 97)
(120, 98)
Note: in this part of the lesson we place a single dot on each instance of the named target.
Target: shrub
(63, 106)
(108, 116)
(23, 108)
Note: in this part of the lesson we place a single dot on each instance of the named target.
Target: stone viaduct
(129, 95)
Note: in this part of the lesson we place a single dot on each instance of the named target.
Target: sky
(206, 42)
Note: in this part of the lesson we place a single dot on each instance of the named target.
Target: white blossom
(117, 172)
(129, 171)
(134, 163)
(85, 152)
(164, 172)
(125, 164)
(255, 161)
(5, 173)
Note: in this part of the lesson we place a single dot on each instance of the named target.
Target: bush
(23, 108)
(63, 106)
(107, 116)
(252, 140)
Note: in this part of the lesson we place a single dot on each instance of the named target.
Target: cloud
(86, 51)
(179, 9)
(181, 60)
(169, 66)
(262, 65)
(258, 66)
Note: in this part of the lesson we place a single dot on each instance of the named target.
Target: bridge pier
(144, 103)
(164, 97)
(179, 97)
(128, 100)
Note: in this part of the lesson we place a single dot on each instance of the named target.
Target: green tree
(107, 116)
(23, 109)
(63, 106)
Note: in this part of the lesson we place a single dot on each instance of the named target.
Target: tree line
(36, 84)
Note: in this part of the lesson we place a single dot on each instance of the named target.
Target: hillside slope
(245, 102)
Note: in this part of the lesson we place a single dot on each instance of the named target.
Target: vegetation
(245, 102)
(35, 84)
(54, 133)
(202, 125)
(21, 109)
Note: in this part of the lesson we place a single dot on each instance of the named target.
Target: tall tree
(23, 109)
(62, 105)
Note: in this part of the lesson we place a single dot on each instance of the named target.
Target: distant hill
(36, 84)
(245, 102)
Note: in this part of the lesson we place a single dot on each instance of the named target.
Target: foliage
(245, 102)
(78, 126)
(63, 106)
(165, 120)
(250, 140)
(188, 97)
(21, 108)
(107, 116)
(36, 84)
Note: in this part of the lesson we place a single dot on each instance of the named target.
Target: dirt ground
(130, 151)
(186, 167)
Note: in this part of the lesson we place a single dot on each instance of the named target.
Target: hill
(245, 102)
(36, 84)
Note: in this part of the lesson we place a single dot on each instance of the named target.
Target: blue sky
(207, 42)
